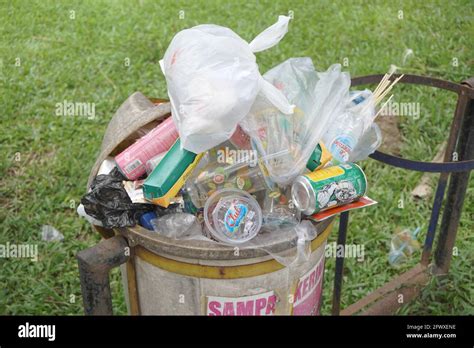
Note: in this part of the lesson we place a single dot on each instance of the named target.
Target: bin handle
(95, 264)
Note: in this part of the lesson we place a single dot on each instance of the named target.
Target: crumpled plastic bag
(299, 250)
(51, 234)
(213, 79)
(286, 142)
(108, 202)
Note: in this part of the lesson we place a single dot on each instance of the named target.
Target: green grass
(83, 60)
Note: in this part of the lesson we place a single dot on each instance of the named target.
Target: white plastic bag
(213, 79)
(286, 142)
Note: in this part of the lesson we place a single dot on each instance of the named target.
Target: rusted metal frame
(385, 300)
(393, 294)
(433, 167)
(417, 80)
(443, 179)
(339, 271)
(420, 166)
(94, 266)
(457, 188)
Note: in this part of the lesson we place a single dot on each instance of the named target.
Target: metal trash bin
(174, 277)
(170, 277)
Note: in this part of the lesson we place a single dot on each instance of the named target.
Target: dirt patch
(392, 138)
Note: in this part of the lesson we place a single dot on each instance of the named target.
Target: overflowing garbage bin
(225, 195)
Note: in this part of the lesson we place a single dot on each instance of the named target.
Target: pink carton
(132, 161)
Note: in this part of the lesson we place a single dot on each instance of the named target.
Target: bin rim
(204, 250)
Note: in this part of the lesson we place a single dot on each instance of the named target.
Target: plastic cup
(232, 216)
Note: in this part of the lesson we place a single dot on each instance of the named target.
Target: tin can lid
(303, 195)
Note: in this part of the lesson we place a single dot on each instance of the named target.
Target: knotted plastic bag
(213, 79)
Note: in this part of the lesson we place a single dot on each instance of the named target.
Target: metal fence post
(339, 272)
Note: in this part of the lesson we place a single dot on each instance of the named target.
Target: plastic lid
(232, 216)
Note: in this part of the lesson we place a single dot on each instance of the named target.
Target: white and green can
(328, 188)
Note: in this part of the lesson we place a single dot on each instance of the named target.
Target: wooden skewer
(379, 86)
(385, 92)
(382, 83)
(383, 106)
(385, 85)
(382, 89)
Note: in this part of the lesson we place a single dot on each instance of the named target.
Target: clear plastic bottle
(402, 245)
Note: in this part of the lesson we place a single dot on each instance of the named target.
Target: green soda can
(328, 188)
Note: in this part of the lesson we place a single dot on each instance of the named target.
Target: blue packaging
(145, 220)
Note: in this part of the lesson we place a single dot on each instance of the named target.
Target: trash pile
(243, 155)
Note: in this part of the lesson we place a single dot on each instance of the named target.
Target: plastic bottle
(402, 246)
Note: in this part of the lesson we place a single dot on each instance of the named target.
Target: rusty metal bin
(165, 276)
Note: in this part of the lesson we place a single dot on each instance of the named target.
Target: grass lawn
(78, 51)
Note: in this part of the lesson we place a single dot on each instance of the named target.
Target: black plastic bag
(109, 202)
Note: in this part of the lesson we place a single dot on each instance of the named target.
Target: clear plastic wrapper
(367, 144)
(279, 210)
(299, 249)
(218, 176)
(178, 226)
(287, 141)
(50, 234)
(402, 246)
(152, 163)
